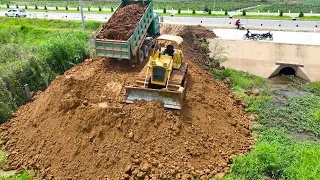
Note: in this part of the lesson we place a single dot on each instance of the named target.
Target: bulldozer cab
(169, 48)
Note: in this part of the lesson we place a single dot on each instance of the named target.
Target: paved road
(278, 36)
(285, 24)
(238, 12)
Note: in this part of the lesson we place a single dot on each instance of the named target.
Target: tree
(226, 12)
(179, 11)
(78, 8)
(100, 8)
(88, 8)
(244, 13)
(164, 10)
(301, 14)
(193, 11)
(281, 13)
(8, 6)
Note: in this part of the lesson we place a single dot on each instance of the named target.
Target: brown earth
(80, 127)
(123, 22)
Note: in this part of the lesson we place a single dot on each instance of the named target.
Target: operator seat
(169, 50)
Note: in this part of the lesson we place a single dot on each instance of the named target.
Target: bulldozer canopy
(176, 39)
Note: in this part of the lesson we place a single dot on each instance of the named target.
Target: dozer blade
(171, 99)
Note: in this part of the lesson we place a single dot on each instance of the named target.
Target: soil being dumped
(80, 128)
(195, 50)
(123, 22)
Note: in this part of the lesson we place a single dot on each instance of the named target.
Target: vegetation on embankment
(288, 144)
(33, 52)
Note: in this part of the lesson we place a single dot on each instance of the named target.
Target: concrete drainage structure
(267, 59)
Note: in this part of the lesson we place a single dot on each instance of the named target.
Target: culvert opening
(287, 71)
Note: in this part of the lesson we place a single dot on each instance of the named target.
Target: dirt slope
(123, 22)
(79, 128)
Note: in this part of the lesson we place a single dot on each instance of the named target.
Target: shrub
(67, 8)
(88, 9)
(78, 8)
(35, 7)
(179, 11)
(57, 8)
(281, 13)
(209, 11)
(45, 7)
(8, 6)
(226, 12)
(193, 11)
(26, 7)
(244, 13)
(17, 6)
(301, 14)
(100, 8)
(112, 9)
(164, 10)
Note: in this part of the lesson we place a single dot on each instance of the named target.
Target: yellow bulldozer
(164, 77)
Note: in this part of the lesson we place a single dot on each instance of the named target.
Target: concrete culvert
(287, 71)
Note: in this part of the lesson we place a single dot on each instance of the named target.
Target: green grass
(262, 17)
(33, 52)
(23, 176)
(202, 15)
(239, 79)
(67, 11)
(197, 5)
(278, 156)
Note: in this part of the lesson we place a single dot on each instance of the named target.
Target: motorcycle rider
(238, 23)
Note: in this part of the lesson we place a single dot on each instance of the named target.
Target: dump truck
(164, 77)
(137, 47)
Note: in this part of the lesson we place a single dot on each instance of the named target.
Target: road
(278, 36)
(273, 24)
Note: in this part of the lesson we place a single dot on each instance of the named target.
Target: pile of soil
(193, 44)
(123, 22)
(80, 128)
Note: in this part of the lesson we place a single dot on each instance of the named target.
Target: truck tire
(145, 51)
(140, 56)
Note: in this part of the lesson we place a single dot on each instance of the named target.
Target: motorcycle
(266, 35)
(250, 35)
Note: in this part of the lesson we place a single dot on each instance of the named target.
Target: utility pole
(81, 10)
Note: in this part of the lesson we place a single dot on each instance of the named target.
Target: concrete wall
(266, 59)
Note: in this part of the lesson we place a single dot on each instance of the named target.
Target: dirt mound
(80, 128)
(123, 22)
(197, 49)
(172, 29)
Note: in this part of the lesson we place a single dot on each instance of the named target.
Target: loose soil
(80, 127)
(123, 22)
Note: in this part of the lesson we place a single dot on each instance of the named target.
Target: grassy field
(33, 52)
(280, 152)
(305, 6)
(230, 5)
(175, 4)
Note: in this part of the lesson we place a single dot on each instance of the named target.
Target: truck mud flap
(170, 99)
